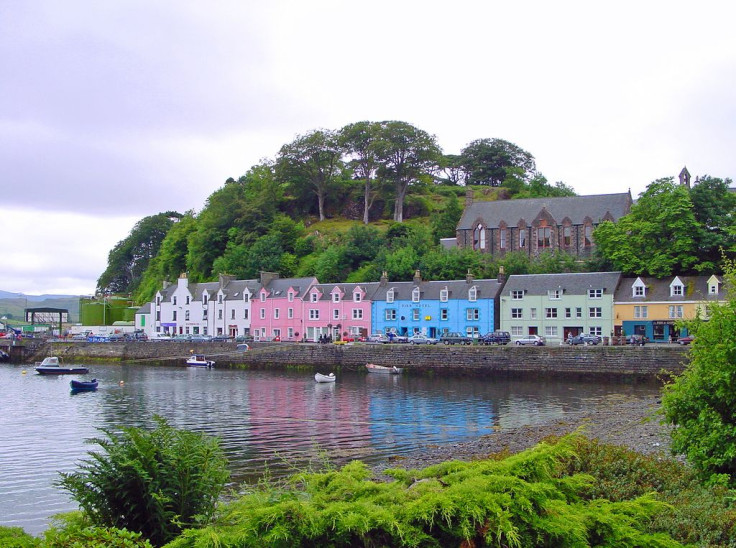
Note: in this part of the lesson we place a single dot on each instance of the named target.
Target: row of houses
(552, 305)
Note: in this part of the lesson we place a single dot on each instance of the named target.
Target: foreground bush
(152, 482)
(527, 499)
(15, 537)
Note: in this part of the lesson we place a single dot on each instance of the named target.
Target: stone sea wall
(637, 362)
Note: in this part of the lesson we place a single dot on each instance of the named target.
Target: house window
(596, 330)
(174, 300)
(550, 312)
(676, 290)
(578, 312)
(517, 330)
(290, 296)
(595, 293)
(219, 298)
(479, 237)
(335, 297)
(443, 314)
(158, 301)
(357, 313)
(219, 314)
(517, 313)
(357, 297)
(275, 313)
(641, 312)
(595, 312)
(544, 237)
(713, 289)
(567, 236)
(204, 314)
(187, 299)
(522, 238)
(675, 311)
(473, 294)
(158, 315)
(314, 297)
(276, 333)
(554, 294)
(290, 332)
(314, 314)
(472, 332)
(173, 316)
(472, 314)
(263, 296)
(568, 312)
(444, 295)
(335, 314)
(263, 313)
(415, 314)
(533, 313)
(639, 291)
(290, 313)
(517, 294)
(186, 315)
(245, 314)
(390, 296)
(415, 295)
(550, 331)
(232, 314)
(502, 238)
(588, 235)
(390, 314)
(246, 297)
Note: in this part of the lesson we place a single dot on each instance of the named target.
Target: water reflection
(265, 420)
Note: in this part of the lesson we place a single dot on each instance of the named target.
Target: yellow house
(652, 306)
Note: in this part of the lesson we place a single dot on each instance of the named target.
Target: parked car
(116, 337)
(533, 340)
(422, 339)
(243, 339)
(378, 338)
(584, 339)
(182, 338)
(454, 337)
(221, 338)
(495, 337)
(200, 338)
(687, 339)
(637, 340)
(396, 338)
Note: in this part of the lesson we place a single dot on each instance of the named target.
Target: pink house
(340, 310)
(277, 309)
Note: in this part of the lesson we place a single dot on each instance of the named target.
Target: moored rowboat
(84, 385)
(319, 377)
(373, 368)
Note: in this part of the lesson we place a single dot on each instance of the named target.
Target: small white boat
(373, 368)
(51, 365)
(199, 360)
(319, 377)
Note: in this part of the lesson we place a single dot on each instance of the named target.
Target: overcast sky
(113, 111)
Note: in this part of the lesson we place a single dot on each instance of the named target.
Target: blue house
(434, 307)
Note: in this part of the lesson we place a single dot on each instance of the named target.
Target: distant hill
(13, 304)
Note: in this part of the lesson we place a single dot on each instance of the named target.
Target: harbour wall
(649, 361)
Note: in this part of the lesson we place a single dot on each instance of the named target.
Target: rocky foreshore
(633, 422)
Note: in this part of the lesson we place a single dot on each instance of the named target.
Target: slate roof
(347, 289)
(572, 283)
(658, 290)
(430, 290)
(144, 309)
(279, 286)
(576, 208)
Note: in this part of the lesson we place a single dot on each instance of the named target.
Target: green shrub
(154, 482)
(15, 537)
(522, 500)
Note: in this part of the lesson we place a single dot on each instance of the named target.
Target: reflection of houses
(210, 308)
(435, 307)
(651, 306)
(558, 305)
(538, 224)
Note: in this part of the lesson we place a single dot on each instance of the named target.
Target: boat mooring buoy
(121, 383)
(23, 372)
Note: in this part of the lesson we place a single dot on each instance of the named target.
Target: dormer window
(677, 288)
(595, 293)
(290, 296)
(335, 297)
(314, 297)
(415, 295)
(246, 297)
(638, 288)
(444, 295)
(204, 299)
(517, 294)
(219, 298)
(390, 295)
(263, 296)
(554, 294)
(357, 297)
(473, 294)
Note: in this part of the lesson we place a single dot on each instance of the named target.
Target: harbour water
(267, 421)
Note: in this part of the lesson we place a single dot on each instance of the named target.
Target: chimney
(225, 279)
(468, 197)
(501, 275)
(417, 277)
(268, 277)
(469, 277)
(384, 278)
(166, 284)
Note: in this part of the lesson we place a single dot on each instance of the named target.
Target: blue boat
(79, 386)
